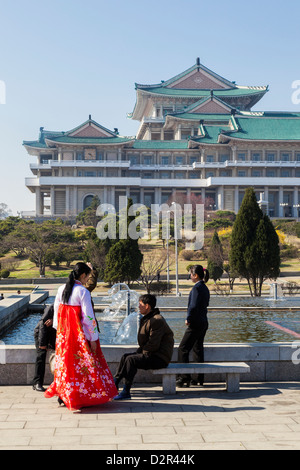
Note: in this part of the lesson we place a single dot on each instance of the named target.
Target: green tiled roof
(234, 92)
(66, 139)
(160, 144)
(267, 128)
(255, 129)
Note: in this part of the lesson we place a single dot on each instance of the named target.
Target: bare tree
(153, 264)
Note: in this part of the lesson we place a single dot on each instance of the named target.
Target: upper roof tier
(88, 133)
(192, 85)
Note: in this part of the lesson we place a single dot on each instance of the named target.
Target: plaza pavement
(262, 416)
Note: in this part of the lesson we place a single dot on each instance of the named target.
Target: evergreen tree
(123, 262)
(124, 258)
(254, 251)
(215, 258)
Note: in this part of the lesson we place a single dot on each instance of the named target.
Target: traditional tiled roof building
(197, 135)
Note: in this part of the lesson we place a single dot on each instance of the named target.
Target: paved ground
(261, 416)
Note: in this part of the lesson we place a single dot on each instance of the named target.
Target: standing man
(45, 337)
(156, 342)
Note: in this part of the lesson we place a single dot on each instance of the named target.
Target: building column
(105, 201)
(142, 199)
(75, 199)
(295, 202)
(38, 202)
(280, 201)
(67, 200)
(220, 198)
(236, 199)
(52, 195)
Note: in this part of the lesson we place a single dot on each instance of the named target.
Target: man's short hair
(148, 299)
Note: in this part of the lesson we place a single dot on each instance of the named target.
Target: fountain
(123, 307)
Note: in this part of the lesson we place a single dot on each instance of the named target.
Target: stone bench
(231, 369)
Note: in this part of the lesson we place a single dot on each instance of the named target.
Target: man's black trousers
(192, 340)
(40, 365)
(130, 363)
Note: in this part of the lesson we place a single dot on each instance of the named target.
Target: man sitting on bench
(156, 342)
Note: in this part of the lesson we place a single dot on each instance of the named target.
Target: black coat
(197, 305)
(45, 335)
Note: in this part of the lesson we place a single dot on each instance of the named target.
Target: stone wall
(268, 362)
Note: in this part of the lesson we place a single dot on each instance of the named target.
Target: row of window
(255, 173)
(181, 160)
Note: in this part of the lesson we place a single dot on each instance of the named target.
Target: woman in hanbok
(81, 377)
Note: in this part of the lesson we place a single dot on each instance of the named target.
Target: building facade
(197, 136)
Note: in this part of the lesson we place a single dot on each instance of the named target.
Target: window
(210, 174)
(90, 174)
(87, 201)
(167, 111)
(225, 173)
(256, 157)
(179, 175)
(45, 159)
(285, 173)
(209, 158)
(169, 135)
(194, 159)
(164, 175)
(155, 135)
(241, 173)
(147, 160)
(297, 157)
(285, 157)
(270, 157)
(224, 158)
(179, 160)
(165, 160)
(133, 160)
(194, 175)
(148, 176)
(241, 157)
(271, 173)
(256, 173)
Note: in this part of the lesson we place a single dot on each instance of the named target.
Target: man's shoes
(181, 383)
(124, 395)
(38, 388)
(195, 382)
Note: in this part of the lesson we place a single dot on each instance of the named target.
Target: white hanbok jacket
(80, 297)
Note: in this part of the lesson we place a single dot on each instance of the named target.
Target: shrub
(187, 255)
(160, 288)
(4, 273)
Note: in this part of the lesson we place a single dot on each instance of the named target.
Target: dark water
(232, 325)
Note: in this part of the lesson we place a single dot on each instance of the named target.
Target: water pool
(231, 320)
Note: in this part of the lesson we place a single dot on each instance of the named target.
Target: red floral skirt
(81, 378)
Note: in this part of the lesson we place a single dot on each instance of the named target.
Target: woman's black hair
(79, 269)
(202, 273)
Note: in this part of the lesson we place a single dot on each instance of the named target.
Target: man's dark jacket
(155, 337)
(45, 335)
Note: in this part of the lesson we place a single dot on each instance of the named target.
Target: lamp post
(168, 262)
(176, 247)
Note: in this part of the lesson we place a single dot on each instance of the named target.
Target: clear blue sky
(62, 60)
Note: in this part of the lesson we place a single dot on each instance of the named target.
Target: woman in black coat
(196, 322)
